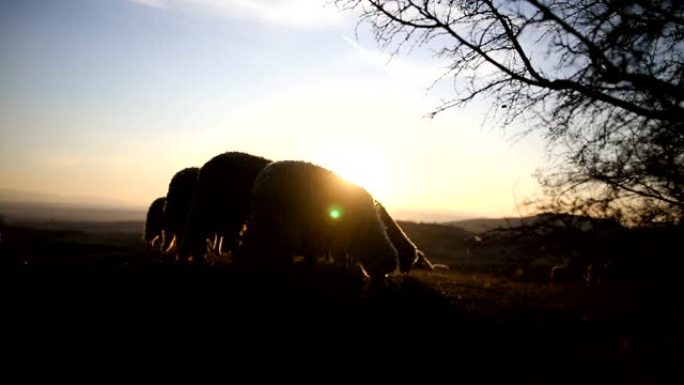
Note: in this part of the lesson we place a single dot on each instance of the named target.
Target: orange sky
(110, 100)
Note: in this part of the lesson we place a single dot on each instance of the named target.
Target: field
(81, 297)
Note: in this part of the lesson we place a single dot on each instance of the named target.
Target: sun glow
(369, 168)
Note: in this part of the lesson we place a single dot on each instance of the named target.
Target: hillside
(8, 195)
(121, 310)
(480, 225)
(32, 212)
(441, 242)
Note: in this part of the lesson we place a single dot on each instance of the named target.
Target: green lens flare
(335, 212)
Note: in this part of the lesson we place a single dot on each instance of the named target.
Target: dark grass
(79, 303)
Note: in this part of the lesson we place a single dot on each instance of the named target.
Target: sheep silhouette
(299, 209)
(221, 205)
(424, 263)
(568, 272)
(407, 250)
(179, 200)
(154, 225)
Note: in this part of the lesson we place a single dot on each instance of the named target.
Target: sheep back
(221, 206)
(299, 208)
(154, 220)
(179, 199)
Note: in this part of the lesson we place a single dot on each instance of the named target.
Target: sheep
(599, 273)
(440, 266)
(154, 225)
(408, 252)
(301, 209)
(423, 263)
(179, 199)
(567, 273)
(221, 203)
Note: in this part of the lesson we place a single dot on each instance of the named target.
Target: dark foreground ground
(95, 305)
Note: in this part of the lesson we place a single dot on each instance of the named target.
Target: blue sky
(110, 98)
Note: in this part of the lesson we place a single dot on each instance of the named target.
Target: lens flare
(335, 212)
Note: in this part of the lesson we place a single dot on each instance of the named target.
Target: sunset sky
(110, 98)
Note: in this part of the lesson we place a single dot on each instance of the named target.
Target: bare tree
(602, 79)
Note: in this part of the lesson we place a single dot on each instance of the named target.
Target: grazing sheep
(179, 199)
(301, 209)
(407, 250)
(423, 263)
(567, 273)
(599, 273)
(154, 224)
(440, 266)
(221, 203)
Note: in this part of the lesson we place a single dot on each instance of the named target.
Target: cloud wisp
(150, 3)
(287, 12)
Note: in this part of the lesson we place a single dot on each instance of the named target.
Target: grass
(97, 299)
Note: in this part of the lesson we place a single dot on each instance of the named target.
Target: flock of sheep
(275, 214)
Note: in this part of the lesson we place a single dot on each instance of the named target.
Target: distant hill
(480, 225)
(442, 243)
(22, 206)
(12, 196)
(19, 212)
(431, 216)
